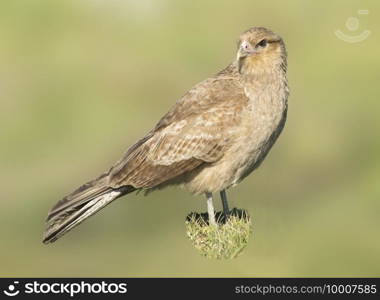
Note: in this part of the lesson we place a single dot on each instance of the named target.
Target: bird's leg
(210, 209)
(226, 210)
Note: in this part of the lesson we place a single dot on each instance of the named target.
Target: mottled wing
(196, 131)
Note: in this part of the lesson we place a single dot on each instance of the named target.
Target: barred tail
(80, 205)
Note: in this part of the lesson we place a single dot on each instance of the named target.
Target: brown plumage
(212, 138)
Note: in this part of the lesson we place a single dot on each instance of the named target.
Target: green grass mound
(226, 240)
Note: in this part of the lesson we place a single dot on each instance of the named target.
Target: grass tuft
(226, 240)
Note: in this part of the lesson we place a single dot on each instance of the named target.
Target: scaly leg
(210, 209)
(226, 210)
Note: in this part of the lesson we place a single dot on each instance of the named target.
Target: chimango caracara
(210, 140)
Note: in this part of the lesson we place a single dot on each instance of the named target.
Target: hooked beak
(245, 49)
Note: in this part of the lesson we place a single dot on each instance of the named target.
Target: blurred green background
(80, 81)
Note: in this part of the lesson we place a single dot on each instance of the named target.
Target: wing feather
(194, 132)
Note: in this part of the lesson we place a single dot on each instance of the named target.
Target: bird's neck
(263, 80)
(266, 87)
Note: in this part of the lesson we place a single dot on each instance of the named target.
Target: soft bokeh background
(80, 81)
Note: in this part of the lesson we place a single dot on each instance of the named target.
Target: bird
(212, 138)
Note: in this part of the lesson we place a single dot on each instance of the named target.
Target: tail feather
(77, 207)
(81, 195)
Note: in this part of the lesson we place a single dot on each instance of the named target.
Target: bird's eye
(262, 43)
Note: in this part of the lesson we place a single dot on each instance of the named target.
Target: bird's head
(260, 50)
